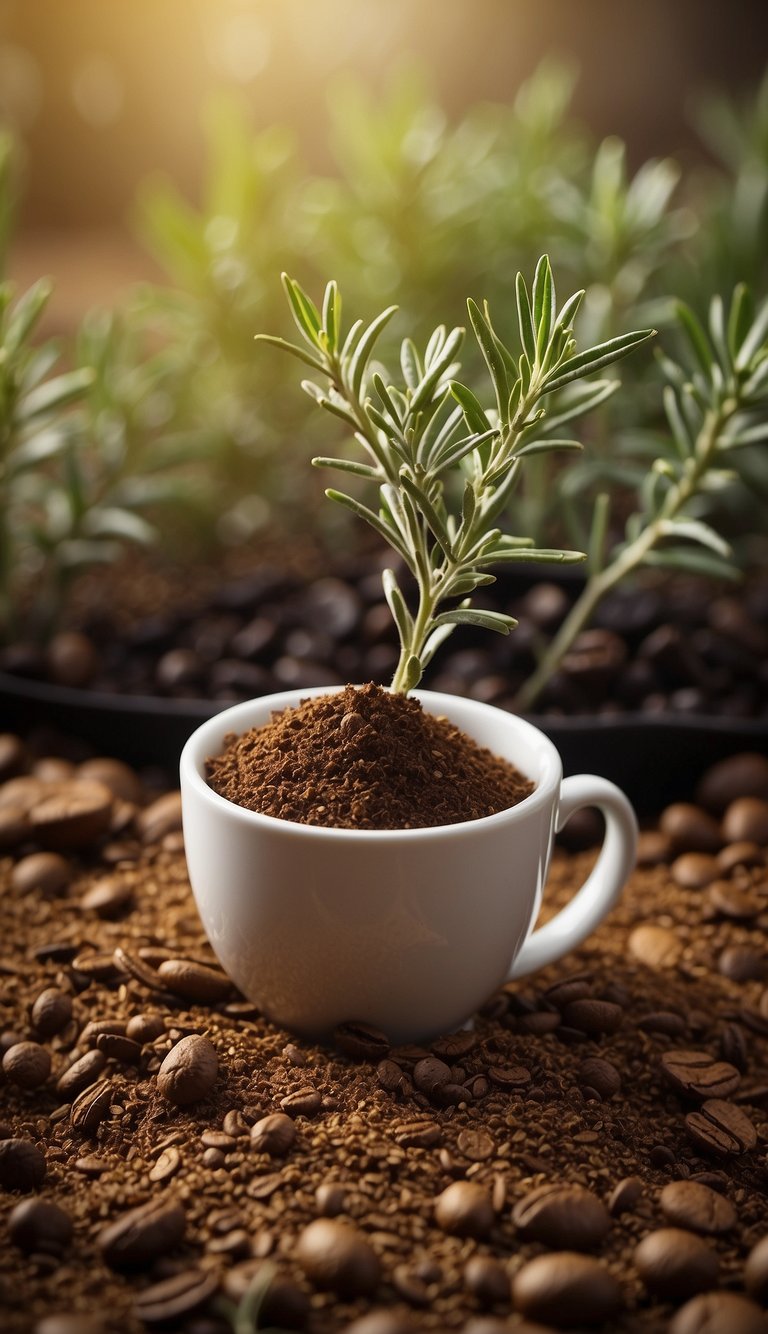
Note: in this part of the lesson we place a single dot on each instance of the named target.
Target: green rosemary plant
(716, 404)
(418, 434)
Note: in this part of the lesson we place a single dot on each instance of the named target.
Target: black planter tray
(654, 758)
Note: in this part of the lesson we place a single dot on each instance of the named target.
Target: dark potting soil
(364, 759)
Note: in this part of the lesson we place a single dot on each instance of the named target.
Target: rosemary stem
(628, 560)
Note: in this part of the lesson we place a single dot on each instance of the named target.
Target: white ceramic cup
(408, 930)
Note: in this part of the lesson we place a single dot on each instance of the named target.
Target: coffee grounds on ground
(364, 759)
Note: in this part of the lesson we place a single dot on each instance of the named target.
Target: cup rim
(233, 719)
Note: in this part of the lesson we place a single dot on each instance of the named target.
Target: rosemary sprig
(715, 404)
(413, 435)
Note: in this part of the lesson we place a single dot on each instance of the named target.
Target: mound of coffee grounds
(364, 759)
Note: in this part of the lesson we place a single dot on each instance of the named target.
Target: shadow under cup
(407, 930)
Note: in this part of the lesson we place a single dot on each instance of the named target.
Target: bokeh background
(102, 95)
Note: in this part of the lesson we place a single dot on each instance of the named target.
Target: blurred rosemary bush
(169, 406)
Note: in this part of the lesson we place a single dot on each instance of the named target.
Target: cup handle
(603, 886)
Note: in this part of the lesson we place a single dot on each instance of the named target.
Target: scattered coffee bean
(22, 1165)
(71, 658)
(417, 1134)
(744, 775)
(696, 1075)
(40, 1226)
(690, 828)
(430, 1074)
(465, 1210)
(455, 1046)
(162, 817)
(108, 897)
(176, 1297)
(91, 1107)
(167, 1165)
(674, 1264)
(756, 1271)
(188, 1073)
(71, 1324)
(336, 1256)
(331, 1198)
(118, 1048)
(563, 1217)
(694, 870)
(563, 1285)
(600, 1075)
(381, 1322)
(730, 901)
(122, 781)
(746, 819)
(27, 1065)
(655, 946)
(51, 1012)
(13, 756)
(625, 1196)
(273, 1134)
(742, 963)
(44, 873)
(81, 1074)
(144, 1028)
(477, 1145)
(73, 815)
(733, 1046)
(720, 1127)
(361, 1042)
(139, 1236)
(689, 1204)
(719, 1313)
(487, 1280)
(509, 1076)
(739, 856)
(593, 1017)
(194, 981)
(302, 1102)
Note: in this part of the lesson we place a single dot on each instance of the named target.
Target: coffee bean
(167, 1165)
(689, 1204)
(730, 901)
(576, 987)
(51, 1012)
(45, 873)
(746, 819)
(390, 1076)
(108, 897)
(455, 1046)
(273, 1134)
(625, 1196)
(653, 848)
(336, 1256)
(27, 1065)
(139, 1236)
(22, 1165)
(600, 1075)
(593, 1017)
(162, 817)
(509, 1076)
(563, 1217)
(81, 1074)
(663, 1021)
(674, 1264)
(719, 1313)
(722, 1128)
(361, 1041)
(476, 1144)
(40, 1226)
(742, 963)
(96, 1028)
(73, 815)
(690, 828)
(331, 1198)
(194, 981)
(175, 1297)
(118, 1048)
(487, 1280)
(71, 658)
(430, 1073)
(382, 1322)
(13, 756)
(694, 870)
(70, 1324)
(417, 1134)
(655, 946)
(302, 1102)
(144, 1028)
(741, 855)
(733, 1046)
(91, 1107)
(15, 826)
(189, 1071)
(696, 1075)
(756, 1271)
(464, 1209)
(122, 781)
(744, 775)
(563, 1286)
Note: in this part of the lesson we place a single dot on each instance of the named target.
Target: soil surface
(256, 624)
(591, 1150)
(364, 759)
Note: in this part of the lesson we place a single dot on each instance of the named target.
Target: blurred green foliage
(182, 411)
